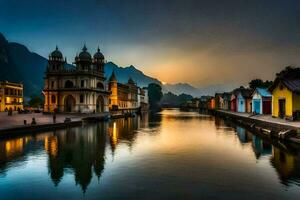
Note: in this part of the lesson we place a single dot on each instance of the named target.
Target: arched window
(69, 84)
(53, 99)
(100, 85)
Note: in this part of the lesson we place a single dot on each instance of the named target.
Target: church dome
(85, 55)
(56, 53)
(98, 55)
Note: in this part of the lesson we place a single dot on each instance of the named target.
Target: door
(281, 104)
(267, 107)
(256, 106)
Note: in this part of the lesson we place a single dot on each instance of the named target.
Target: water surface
(173, 154)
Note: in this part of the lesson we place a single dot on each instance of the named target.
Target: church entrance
(70, 103)
(100, 104)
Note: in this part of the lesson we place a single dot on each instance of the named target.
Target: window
(69, 84)
(82, 83)
(100, 85)
(53, 99)
(81, 98)
(52, 84)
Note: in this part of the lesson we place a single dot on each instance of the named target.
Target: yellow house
(11, 96)
(286, 98)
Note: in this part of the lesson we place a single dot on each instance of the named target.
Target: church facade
(79, 89)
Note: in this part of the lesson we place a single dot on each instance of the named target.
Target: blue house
(261, 101)
(244, 100)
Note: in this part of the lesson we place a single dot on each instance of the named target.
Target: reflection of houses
(261, 101)
(286, 165)
(80, 149)
(78, 89)
(243, 135)
(261, 147)
(126, 96)
(11, 149)
(11, 96)
(286, 96)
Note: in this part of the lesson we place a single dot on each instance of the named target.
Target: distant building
(126, 96)
(80, 89)
(244, 100)
(143, 100)
(11, 96)
(226, 101)
(286, 96)
(261, 101)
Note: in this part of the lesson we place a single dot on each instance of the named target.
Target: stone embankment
(266, 125)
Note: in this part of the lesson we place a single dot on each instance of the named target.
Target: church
(78, 89)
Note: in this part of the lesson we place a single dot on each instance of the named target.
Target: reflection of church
(80, 149)
(78, 89)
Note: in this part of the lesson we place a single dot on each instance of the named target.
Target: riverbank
(22, 123)
(266, 124)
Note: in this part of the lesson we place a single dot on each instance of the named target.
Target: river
(169, 155)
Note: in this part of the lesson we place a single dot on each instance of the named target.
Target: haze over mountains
(19, 64)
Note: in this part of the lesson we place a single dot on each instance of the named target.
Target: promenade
(17, 120)
(14, 125)
(265, 118)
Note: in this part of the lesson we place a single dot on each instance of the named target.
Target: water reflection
(80, 149)
(83, 152)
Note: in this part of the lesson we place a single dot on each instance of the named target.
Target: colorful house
(218, 97)
(261, 101)
(212, 103)
(233, 101)
(244, 100)
(226, 101)
(286, 96)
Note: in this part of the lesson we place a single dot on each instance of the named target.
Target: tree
(35, 101)
(155, 95)
(259, 83)
(289, 72)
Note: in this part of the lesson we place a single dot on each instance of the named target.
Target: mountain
(180, 88)
(18, 64)
(124, 73)
(186, 88)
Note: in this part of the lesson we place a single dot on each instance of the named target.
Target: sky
(199, 42)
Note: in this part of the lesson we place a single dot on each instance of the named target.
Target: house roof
(227, 96)
(246, 93)
(263, 92)
(293, 85)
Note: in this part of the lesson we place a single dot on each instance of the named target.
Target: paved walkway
(18, 119)
(266, 118)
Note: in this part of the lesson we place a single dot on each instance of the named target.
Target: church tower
(56, 61)
(113, 88)
(98, 62)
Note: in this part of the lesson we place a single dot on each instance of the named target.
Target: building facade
(11, 96)
(78, 89)
(127, 96)
(124, 96)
